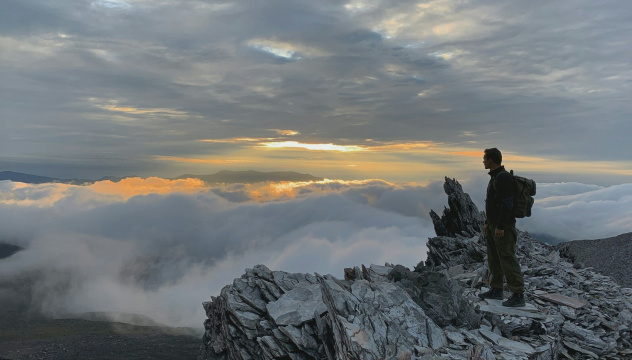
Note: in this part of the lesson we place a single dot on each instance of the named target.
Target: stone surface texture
(431, 312)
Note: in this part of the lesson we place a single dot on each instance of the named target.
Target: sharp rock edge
(432, 312)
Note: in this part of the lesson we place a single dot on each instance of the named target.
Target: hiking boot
(493, 293)
(516, 300)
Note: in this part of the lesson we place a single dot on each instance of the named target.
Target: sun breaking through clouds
(320, 147)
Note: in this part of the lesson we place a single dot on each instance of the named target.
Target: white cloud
(112, 4)
(572, 211)
(283, 49)
(162, 254)
(362, 6)
(560, 189)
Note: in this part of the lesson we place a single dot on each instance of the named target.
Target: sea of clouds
(161, 247)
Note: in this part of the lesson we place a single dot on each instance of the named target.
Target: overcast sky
(397, 90)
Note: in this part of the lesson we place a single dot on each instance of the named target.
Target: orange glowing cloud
(235, 140)
(130, 187)
(284, 190)
(469, 153)
(47, 195)
(285, 132)
(402, 146)
(274, 191)
(113, 105)
(37, 195)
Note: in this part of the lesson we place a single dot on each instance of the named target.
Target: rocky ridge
(599, 255)
(432, 312)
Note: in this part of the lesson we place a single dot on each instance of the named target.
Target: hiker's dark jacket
(499, 201)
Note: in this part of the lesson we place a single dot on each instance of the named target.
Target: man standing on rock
(500, 233)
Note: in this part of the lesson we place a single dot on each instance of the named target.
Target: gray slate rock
(298, 305)
(439, 296)
(376, 321)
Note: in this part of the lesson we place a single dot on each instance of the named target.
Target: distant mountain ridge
(221, 177)
(251, 176)
(36, 179)
(7, 249)
(610, 256)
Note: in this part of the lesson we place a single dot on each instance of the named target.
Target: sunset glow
(129, 187)
(286, 132)
(113, 105)
(403, 146)
(235, 140)
(317, 147)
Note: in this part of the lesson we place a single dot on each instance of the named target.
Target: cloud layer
(162, 252)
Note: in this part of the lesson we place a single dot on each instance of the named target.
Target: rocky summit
(430, 312)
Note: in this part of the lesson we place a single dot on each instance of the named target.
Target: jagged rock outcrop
(390, 312)
(275, 315)
(461, 217)
(445, 250)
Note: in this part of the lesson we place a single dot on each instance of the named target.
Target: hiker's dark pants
(502, 260)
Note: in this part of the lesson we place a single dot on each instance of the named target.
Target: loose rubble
(598, 254)
(432, 312)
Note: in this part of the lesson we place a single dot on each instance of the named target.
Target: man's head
(492, 158)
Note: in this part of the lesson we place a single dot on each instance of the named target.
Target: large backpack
(523, 192)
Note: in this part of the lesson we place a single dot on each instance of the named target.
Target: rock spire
(461, 217)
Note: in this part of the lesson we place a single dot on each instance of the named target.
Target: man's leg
(506, 250)
(493, 259)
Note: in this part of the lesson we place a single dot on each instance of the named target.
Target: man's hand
(499, 233)
(485, 229)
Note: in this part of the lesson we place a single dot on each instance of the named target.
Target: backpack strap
(497, 175)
